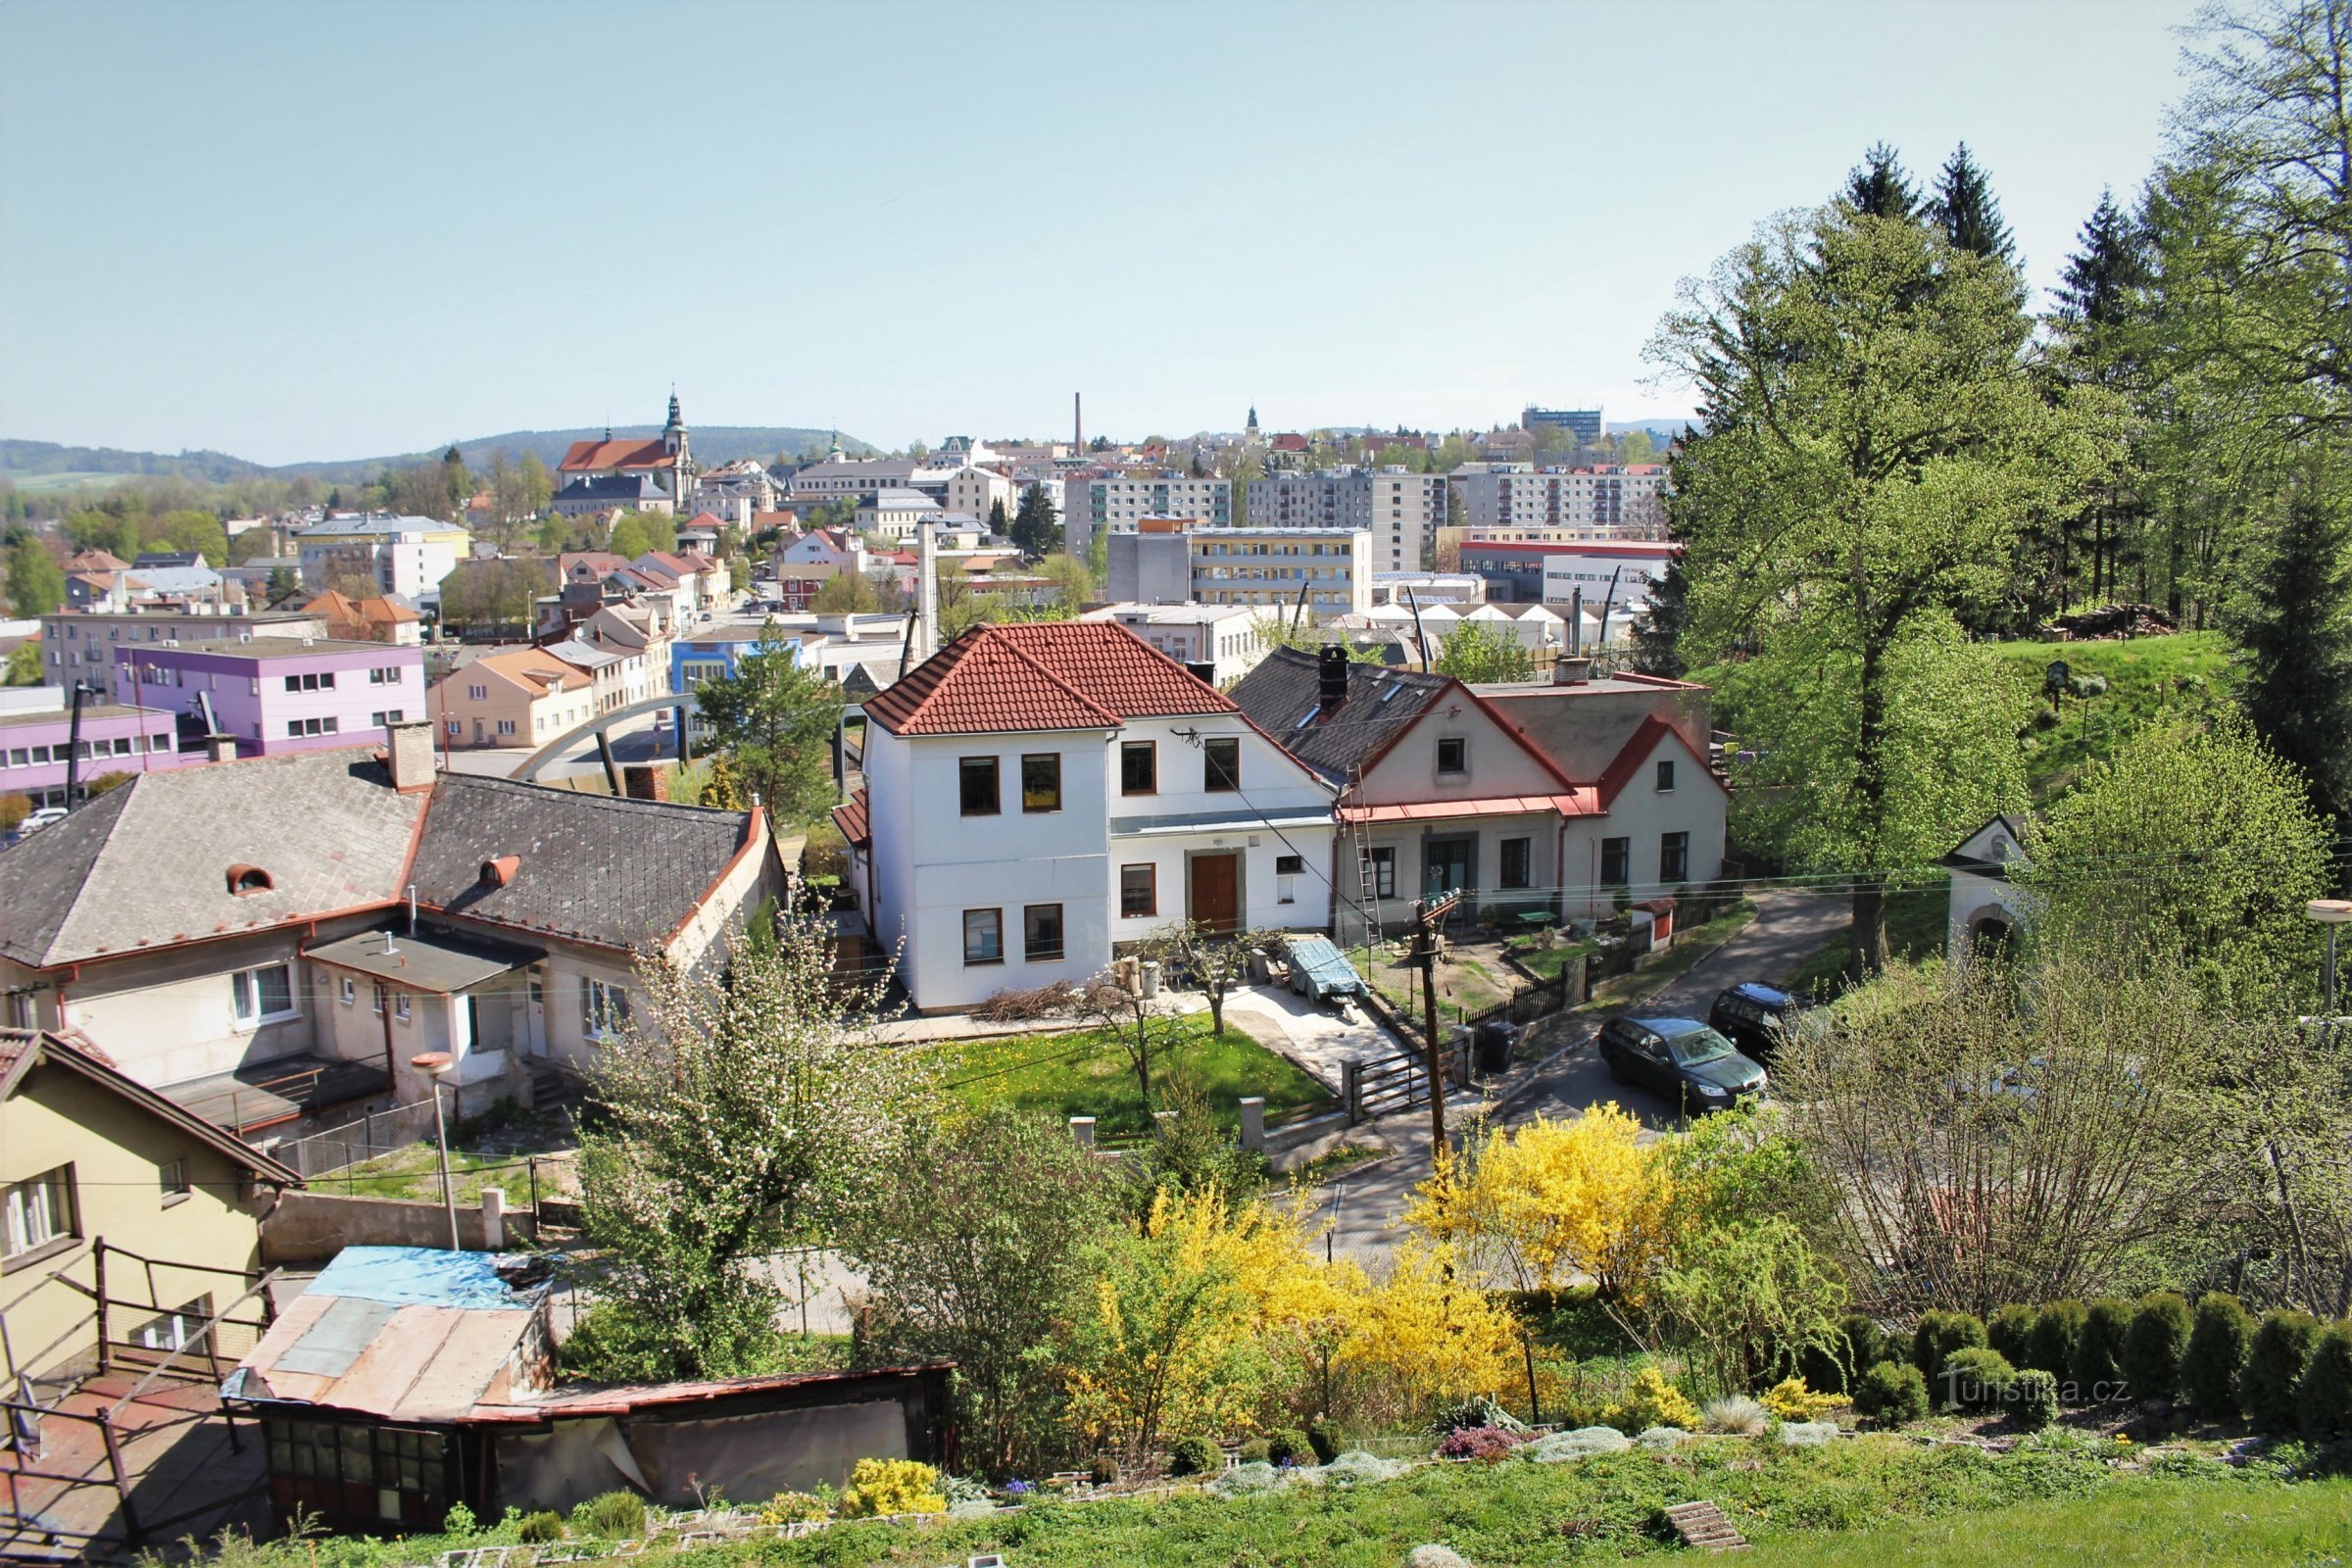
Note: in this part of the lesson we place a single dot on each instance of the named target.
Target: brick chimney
(644, 781)
(408, 754)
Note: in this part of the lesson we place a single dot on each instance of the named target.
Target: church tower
(675, 445)
(1251, 431)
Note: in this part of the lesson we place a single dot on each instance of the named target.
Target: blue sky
(298, 231)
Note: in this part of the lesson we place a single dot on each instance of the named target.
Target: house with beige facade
(88, 1154)
(267, 943)
(515, 697)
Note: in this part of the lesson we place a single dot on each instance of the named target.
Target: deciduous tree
(1477, 651)
(776, 719)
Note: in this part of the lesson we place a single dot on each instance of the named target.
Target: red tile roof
(1068, 675)
(595, 457)
(851, 821)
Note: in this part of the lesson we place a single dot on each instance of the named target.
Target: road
(1364, 1204)
(639, 742)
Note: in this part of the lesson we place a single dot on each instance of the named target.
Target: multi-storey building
(80, 647)
(1564, 574)
(1224, 640)
(1268, 567)
(277, 694)
(38, 746)
(1628, 500)
(1583, 424)
(1116, 503)
(1402, 510)
(404, 556)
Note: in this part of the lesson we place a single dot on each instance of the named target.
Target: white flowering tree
(735, 1118)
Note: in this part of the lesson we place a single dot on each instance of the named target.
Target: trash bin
(1493, 1047)
(1149, 979)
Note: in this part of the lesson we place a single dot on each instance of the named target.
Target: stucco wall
(56, 1117)
(309, 1227)
(1641, 812)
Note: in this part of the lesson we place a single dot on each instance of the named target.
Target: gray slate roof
(618, 872)
(1381, 705)
(147, 865)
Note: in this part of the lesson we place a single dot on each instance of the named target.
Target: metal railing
(356, 1143)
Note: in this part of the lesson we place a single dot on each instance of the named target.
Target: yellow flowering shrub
(1791, 1401)
(793, 1508)
(879, 1487)
(1554, 1202)
(1652, 1402)
(1430, 1328)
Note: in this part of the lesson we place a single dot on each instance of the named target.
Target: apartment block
(1401, 510)
(1115, 505)
(278, 693)
(1630, 500)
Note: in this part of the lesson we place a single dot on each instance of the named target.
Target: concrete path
(1315, 1037)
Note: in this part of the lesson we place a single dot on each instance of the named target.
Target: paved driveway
(1363, 1205)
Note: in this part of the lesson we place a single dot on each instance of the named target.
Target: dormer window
(244, 879)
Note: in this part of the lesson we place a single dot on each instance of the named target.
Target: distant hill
(48, 466)
(35, 459)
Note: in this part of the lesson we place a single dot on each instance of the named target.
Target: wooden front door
(1218, 892)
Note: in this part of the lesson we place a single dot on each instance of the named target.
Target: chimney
(408, 755)
(220, 748)
(927, 601)
(1571, 671)
(1334, 672)
(644, 781)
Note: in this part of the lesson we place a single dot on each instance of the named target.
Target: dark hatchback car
(1754, 1018)
(1681, 1059)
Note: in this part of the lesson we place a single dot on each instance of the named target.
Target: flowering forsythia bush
(1652, 1402)
(879, 1487)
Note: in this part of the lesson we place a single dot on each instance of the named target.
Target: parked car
(46, 816)
(1755, 1018)
(1681, 1059)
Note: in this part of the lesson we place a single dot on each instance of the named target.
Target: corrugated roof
(1042, 675)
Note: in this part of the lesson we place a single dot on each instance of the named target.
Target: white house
(1985, 906)
(1037, 793)
(895, 514)
(1227, 637)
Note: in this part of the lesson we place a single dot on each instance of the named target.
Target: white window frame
(39, 1211)
(245, 997)
(604, 1008)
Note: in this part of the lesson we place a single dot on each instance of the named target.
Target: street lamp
(2331, 913)
(433, 1063)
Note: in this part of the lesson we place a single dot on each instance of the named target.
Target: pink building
(278, 693)
(35, 748)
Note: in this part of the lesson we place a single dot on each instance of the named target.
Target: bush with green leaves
(2052, 1346)
(611, 1516)
(1288, 1446)
(539, 1527)
(1976, 1377)
(2010, 1330)
(2275, 1363)
(2098, 1368)
(1939, 1333)
(1836, 1367)
(1255, 1451)
(1195, 1456)
(2220, 1338)
(1892, 1393)
(1324, 1439)
(2324, 1398)
(2034, 1399)
(2153, 1348)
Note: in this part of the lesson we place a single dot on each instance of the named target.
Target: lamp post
(433, 1063)
(2331, 913)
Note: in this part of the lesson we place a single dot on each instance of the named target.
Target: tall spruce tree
(1658, 636)
(2100, 281)
(1879, 187)
(2292, 627)
(1964, 208)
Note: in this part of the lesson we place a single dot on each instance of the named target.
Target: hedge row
(2287, 1372)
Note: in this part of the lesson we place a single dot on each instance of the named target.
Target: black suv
(1681, 1058)
(1755, 1018)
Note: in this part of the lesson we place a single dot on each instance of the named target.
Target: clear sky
(298, 231)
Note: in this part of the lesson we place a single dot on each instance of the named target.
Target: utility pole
(81, 689)
(1428, 915)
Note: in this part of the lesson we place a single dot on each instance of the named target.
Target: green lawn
(1089, 1074)
(1546, 963)
(1622, 991)
(2147, 1520)
(1917, 921)
(2148, 678)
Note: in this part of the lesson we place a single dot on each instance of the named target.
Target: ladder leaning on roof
(1360, 835)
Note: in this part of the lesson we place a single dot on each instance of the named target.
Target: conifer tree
(1879, 187)
(1963, 209)
(2294, 634)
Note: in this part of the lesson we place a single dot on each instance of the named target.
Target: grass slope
(2149, 680)
(1088, 1074)
(1917, 922)
(1872, 1499)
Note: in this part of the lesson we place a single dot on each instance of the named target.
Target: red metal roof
(595, 457)
(1636, 750)
(1585, 802)
(1068, 675)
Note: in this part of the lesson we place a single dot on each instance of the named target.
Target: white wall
(1697, 805)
